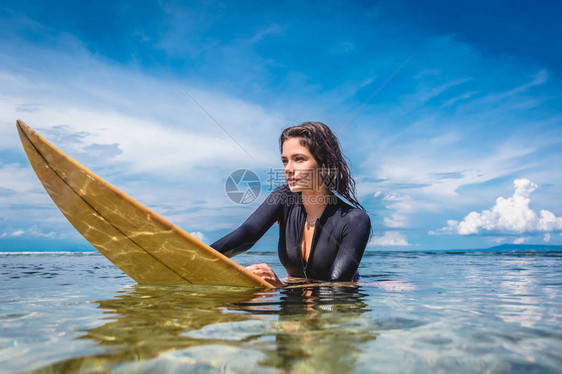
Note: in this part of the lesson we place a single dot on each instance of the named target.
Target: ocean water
(473, 312)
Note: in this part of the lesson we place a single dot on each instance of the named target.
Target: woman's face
(300, 167)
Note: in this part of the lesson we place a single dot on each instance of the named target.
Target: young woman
(321, 236)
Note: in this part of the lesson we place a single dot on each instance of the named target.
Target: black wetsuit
(338, 243)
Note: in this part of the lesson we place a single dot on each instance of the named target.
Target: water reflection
(144, 321)
(294, 329)
(318, 328)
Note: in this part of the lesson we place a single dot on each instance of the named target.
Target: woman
(321, 236)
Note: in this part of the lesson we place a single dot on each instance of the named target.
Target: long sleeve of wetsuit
(245, 236)
(351, 249)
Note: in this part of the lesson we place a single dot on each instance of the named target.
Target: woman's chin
(293, 188)
(301, 187)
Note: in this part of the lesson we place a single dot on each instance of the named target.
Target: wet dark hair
(326, 150)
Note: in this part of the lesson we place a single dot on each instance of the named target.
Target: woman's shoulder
(352, 214)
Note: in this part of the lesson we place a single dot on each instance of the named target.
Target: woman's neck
(315, 202)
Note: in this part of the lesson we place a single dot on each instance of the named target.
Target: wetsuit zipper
(312, 244)
(299, 243)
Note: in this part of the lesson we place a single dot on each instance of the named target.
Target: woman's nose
(288, 167)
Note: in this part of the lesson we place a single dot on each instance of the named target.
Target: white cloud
(520, 240)
(541, 77)
(509, 215)
(17, 233)
(17, 179)
(35, 231)
(13, 234)
(400, 204)
(432, 166)
(399, 218)
(427, 171)
(546, 237)
(393, 197)
(390, 238)
(199, 235)
(273, 29)
(147, 143)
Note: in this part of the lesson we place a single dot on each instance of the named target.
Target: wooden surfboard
(144, 245)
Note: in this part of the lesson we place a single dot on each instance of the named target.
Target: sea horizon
(497, 248)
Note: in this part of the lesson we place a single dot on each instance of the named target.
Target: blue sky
(449, 113)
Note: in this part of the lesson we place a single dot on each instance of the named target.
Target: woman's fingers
(265, 272)
(259, 267)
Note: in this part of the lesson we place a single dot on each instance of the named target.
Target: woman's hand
(266, 273)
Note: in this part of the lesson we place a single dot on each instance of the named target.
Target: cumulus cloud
(390, 238)
(509, 215)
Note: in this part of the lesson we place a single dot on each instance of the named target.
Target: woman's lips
(292, 180)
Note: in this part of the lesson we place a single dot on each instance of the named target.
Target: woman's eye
(284, 162)
(300, 159)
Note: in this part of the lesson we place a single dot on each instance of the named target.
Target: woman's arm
(245, 236)
(354, 240)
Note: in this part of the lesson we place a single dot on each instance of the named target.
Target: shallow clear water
(498, 312)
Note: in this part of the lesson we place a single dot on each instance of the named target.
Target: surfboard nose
(23, 128)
